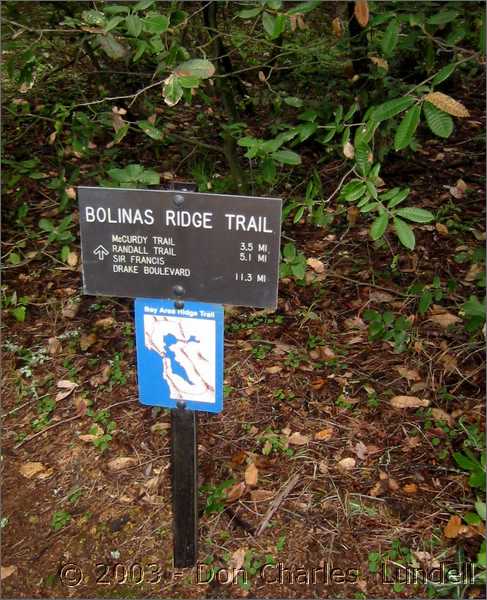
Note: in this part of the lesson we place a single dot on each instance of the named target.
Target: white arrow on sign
(101, 252)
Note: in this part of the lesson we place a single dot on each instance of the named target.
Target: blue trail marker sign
(180, 354)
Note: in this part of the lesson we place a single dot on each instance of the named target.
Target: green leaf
(425, 302)
(279, 26)
(372, 189)
(391, 36)
(443, 17)
(249, 13)
(113, 22)
(407, 128)
(480, 507)
(65, 250)
(189, 82)
(156, 23)
(474, 308)
(439, 122)
(366, 208)
(196, 67)
(248, 142)
(268, 22)
(112, 48)
(142, 5)
(397, 197)
(304, 7)
(149, 177)
(293, 101)
(286, 157)
(289, 250)
(362, 152)
(268, 170)
(306, 130)
(417, 215)
(404, 233)
(121, 133)
(443, 74)
(150, 130)
(118, 175)
(353, 190)
(172, 91)
(14, 258)
(134, 171)
(298, 270)
(299, 214)
(93, 17)
(134, 25)
(471, 518)
(379, 226)
(46, 225)
(141, 48)
(19, 313)
(391, 108)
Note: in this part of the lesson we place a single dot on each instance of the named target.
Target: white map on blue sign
(180, 354)
(187, 350)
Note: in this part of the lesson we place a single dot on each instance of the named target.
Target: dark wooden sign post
(184, 246)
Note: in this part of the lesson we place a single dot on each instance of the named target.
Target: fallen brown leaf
(442, 229)
(86, 341)
(318, 383)
(7, 571)
(346, 464)
(380, 297)
(316, 265)
(54, 346)
(297, 439)
(393, 485)
(251, 475)
(410, 488)
(30, 469)
(235, 492)
(377, 489)
(102, 377)
(72, 259)
(453, 527)
(360, 450)
(324, 434)
(66, 388)
(238, 458)
(70, 310)
(445, 320)
(409, 374)
(274, 369)
(440, 415)
(474, 271)
(105, 323)
(408, 402)
(122, 462)
(237, 560)
(327, 353)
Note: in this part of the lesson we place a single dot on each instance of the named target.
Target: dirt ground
(86, 477)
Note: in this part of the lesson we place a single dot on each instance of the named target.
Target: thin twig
(286, 490)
